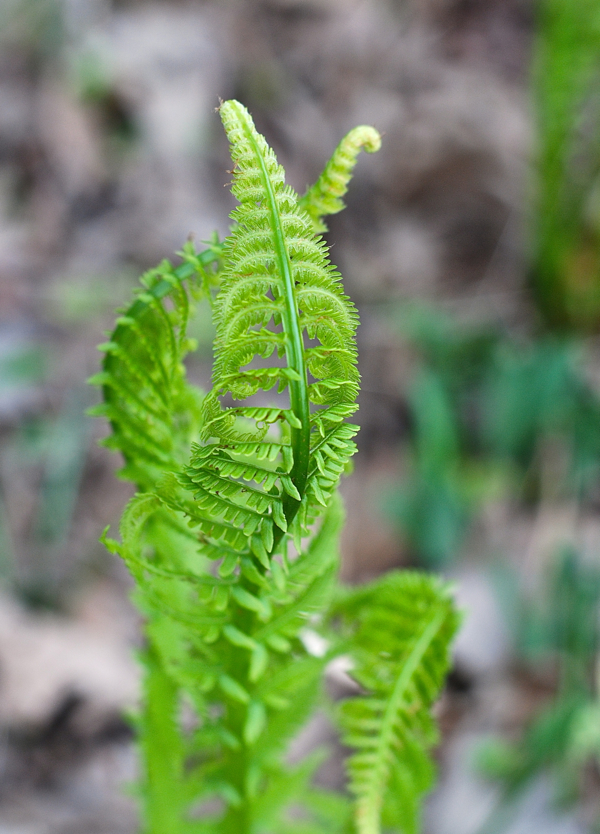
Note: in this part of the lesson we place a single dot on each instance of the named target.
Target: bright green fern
(232, 538)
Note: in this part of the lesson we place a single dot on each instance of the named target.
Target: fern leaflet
(401, 628)
(153, 412)
(325, 196)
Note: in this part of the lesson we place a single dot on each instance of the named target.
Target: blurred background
(471, 245)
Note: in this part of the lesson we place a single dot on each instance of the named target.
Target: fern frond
(399, 633)
(152, 410)
(325, 196)
(277, 285)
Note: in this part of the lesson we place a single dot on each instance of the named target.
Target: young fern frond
(325, 196)
(400, 630)
(226, 490)
(278, 288)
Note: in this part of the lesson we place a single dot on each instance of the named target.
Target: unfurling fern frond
(325, 196)
(233, 537)
(400, 631)
(278, 289)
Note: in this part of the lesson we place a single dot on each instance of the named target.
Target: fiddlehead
(325, 196)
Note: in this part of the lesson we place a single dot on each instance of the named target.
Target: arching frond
(399, 631)
(153, 412)
(278, 288)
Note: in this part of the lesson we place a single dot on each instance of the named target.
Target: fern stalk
(294, 345)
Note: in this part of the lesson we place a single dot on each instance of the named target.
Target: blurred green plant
(92, 79)
(46, 453)
(565, 216)
(49, 452)
(21, 366)
(66, 444)
(488, 412)
(446, 479)
(559, 626)
(35, 26)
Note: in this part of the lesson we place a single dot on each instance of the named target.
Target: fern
(152, 410)
(232, 537)
(325, 196)
(400, 629)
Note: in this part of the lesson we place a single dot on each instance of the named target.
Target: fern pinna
(232, 537)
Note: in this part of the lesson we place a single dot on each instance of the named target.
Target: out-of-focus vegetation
(565, 209)
(496, 415)
(491, 415)
(559, 625)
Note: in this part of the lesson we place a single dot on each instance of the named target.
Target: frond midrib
(294, 346)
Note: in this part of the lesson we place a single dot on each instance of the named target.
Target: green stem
(294, 345)
(238, 820)
(163, 748)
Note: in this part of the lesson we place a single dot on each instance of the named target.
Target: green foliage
(325, 196)
(433, 507)
(152, 410)
(232, 538)
(47, 450)
(563, 621)
(566, 219)
(560, 626)
(485, 408)
(492, 414)
(400, 628)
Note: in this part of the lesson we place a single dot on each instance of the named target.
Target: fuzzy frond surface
(282, 322)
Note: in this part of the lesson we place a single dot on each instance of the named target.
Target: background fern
(229, 564)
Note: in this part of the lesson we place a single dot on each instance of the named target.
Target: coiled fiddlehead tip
(325, 196)
(364, 136)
